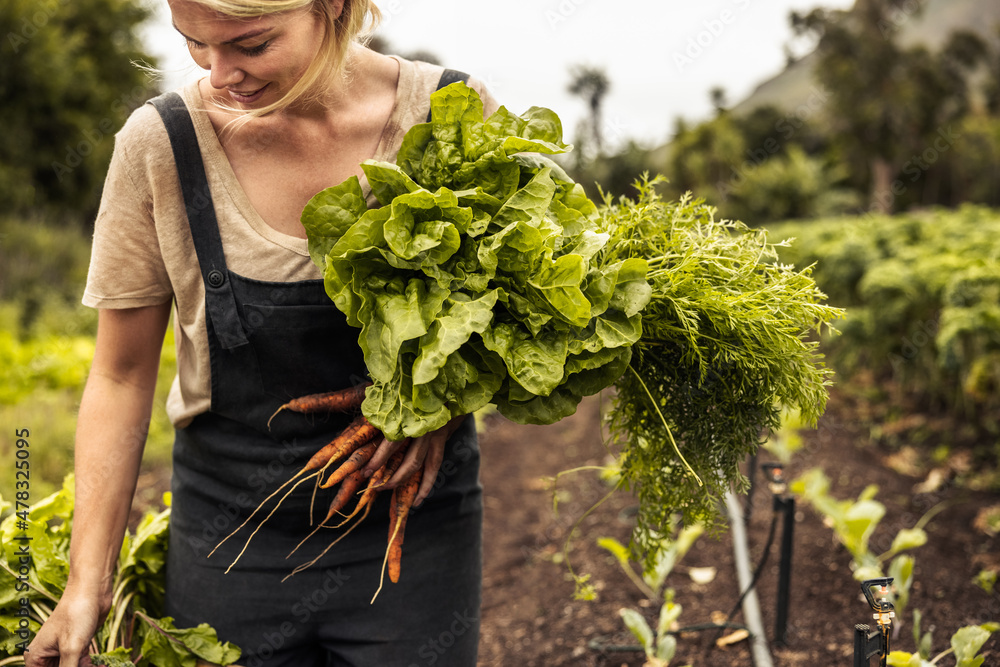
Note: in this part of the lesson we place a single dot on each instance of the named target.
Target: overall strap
(220, 302)
(448, 77)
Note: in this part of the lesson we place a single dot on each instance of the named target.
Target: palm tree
(592, 84)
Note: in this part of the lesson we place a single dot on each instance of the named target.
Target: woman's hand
(426, 452)
(111, 430)
(64, 640)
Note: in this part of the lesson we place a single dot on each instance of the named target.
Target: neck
(332, 92)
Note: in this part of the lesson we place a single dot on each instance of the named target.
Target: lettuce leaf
(482, 276)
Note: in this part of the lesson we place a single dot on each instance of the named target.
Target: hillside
(931, 27)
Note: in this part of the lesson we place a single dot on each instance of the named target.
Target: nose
(223, 70)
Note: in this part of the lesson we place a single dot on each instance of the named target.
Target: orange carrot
(389, 469)
(358, 432)
(342, 400)
(347, 489)
(399, 510)
(379, 477)
(355, 461)
(402, 500)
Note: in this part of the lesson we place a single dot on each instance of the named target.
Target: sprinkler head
(884, 611)
(775, 473)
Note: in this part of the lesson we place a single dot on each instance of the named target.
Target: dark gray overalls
(270, 342)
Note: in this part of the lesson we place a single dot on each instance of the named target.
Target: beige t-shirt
(143, 254)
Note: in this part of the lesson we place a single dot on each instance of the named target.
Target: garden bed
(529, 615)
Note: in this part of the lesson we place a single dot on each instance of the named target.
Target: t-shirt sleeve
(127, 269)
(490, 103)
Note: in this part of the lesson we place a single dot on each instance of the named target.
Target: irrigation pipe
(751, 605)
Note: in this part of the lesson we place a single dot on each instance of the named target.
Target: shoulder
(142, 144)
(143, 130)
(426, 78)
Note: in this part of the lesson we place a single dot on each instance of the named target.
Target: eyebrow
(246, 35)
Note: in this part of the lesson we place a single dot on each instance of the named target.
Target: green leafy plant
(965, 646)
(659, 645)
(854, 522)
(483, 277)
(727, 345)
(921, 290)
(784, 442)
(135, 631)
(986, 580)
(486, 275)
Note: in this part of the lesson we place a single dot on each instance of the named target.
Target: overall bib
(270, 342)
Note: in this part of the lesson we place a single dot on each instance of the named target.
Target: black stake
(787, 508)
(784, 505)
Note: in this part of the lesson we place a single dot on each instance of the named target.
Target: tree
(68, 82)
(886, 102)
(991, 89)
(592, 84)
(706, 156)
(717, 95)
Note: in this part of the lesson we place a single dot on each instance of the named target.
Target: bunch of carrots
(353, 448)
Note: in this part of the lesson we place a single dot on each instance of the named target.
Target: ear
(338, 7)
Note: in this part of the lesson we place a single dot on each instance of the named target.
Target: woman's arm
(110, 436)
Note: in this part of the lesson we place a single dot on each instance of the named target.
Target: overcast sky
(662, 56)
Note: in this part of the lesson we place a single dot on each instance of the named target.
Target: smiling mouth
(250, 96)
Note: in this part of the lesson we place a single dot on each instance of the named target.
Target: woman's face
(253, 61)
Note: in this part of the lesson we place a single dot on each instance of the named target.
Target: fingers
(384, 452)
(64, 639)
(425, 452)
(432, 464)
(41, 655)
(412, 461)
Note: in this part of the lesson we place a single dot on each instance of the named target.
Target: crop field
(899, 478)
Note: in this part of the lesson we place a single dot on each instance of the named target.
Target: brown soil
(530, 618)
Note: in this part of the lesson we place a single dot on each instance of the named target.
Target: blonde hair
(356, 23)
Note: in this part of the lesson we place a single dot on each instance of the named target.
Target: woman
(292, 104)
